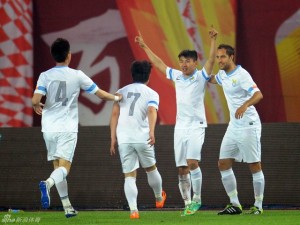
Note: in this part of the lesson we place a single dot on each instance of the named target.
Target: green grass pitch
(163, 217)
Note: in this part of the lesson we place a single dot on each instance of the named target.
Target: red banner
(16, 61)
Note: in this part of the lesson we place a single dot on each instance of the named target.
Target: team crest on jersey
(234, 82)
(192, 78)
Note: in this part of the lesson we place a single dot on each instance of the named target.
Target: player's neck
(231, 68)
(62, 64)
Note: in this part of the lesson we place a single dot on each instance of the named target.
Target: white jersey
(133, 126)
(190, 93)
(239, 87)
(62, 85)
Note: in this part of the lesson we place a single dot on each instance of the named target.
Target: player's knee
(255, 167)
(224, 165)
(151, 168)
(193, 164)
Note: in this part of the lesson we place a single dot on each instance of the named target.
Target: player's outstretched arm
(157, 62)
(107, 96)
(113, 127)
(152, 117)
(213, 50)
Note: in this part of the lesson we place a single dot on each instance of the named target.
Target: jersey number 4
(136, 96)
(61, 94)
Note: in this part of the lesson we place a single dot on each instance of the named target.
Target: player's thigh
(195, 142)
(129, 158)
(250, 145)
(66, 145)
(60, 145)
(229, 146)
(51, 144)
(146, 154)
(180, 147)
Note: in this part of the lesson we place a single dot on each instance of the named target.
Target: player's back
(133, 126)
(62, 90)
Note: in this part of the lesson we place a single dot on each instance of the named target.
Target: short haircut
(140, 71)
(60, 49)
(191, 54)
(229, 49)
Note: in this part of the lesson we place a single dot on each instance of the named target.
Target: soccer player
(61, 85)
(191, 122)
(132, 127)
(241, 141)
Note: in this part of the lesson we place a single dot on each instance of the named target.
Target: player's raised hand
(213, 33)
(139, 39)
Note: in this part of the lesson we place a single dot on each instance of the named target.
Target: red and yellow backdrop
(101, 33)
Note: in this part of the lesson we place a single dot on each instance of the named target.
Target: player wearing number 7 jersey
(61, 85)
(132, 126)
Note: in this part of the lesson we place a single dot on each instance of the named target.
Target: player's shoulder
(242, 71)
(221, 73)
(173, 71)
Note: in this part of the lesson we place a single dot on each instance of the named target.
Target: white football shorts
(133, 154)
(188, 145)
(60, 145)
(242, 145)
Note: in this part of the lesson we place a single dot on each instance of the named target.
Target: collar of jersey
(189, 77)
(231, 72)
(60, 66)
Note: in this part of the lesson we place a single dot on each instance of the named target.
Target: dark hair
(229, 49)
(60, 49)
(140, 71)
(188, 54)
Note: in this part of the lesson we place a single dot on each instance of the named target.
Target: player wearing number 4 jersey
(132, 127)
(61, 85)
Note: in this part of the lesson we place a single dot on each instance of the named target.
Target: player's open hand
(240, 111)
(38, 108)
(112, 147)
(151, 140)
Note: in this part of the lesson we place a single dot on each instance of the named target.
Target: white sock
(155, 182)
(196, 177)
(66, 202)
(62, 188)
(50, 182)
(229, 183)
(131, 192)
(258, 186)
(185, 188)
(59, 174)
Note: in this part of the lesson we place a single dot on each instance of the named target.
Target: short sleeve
(41, 86)
(248, 84)
(172, 74)
(87, 83)
(154, 100)
(219, 77)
